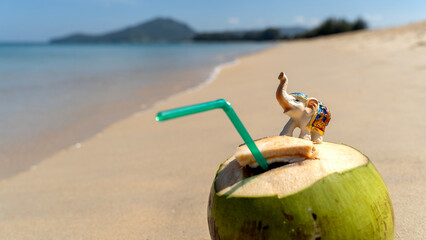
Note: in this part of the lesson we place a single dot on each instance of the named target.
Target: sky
(41, 20)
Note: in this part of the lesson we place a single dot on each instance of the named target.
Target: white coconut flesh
(277, 149)
(237, 181)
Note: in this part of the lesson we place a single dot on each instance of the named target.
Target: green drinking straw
(226, 106)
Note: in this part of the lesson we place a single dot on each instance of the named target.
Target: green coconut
(339, 195)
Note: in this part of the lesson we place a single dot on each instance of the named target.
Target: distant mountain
(156, 30)
(169, 30)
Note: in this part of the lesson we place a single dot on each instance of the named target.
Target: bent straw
(226, 106)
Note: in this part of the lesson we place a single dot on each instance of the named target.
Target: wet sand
(140, 179)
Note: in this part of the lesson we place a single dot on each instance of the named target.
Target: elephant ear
(312, 104)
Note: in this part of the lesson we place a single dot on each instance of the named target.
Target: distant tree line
(265, 35)
(329, 26)
(333, 26)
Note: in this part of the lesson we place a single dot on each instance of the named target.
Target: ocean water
(54, 96)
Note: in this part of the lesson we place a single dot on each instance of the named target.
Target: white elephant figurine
(308, 114)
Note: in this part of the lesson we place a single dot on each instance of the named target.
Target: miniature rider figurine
(308, 114)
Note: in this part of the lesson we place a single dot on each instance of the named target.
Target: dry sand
(140, 179)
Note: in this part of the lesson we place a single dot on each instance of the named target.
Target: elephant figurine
(308, 114)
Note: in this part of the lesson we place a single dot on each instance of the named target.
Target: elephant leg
(316, 137)
(288, 128)
(305, 134)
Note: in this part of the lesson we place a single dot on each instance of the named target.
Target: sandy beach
(140, 179)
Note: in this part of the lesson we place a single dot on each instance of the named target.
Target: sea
(55, 96)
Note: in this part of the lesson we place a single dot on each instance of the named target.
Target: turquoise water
(53, 96)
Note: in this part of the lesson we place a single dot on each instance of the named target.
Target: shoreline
(78, 144)
(212, 76)
(144, 179)
(194, 86)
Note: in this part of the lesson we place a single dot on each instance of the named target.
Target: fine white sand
(140, 179)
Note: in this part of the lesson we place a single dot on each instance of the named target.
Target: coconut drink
(284, 187)
(337, 195)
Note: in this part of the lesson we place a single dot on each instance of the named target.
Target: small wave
(213, 74)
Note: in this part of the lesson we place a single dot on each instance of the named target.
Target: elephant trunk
(283, 97)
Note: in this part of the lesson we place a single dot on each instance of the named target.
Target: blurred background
(69, 68)
(41, 20)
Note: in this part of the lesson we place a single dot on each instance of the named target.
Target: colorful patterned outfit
(320, 119)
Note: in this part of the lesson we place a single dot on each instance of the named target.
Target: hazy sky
(40, 20)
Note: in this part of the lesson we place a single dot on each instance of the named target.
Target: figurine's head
(300, 104)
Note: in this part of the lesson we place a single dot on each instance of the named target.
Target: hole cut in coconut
(255, 169)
